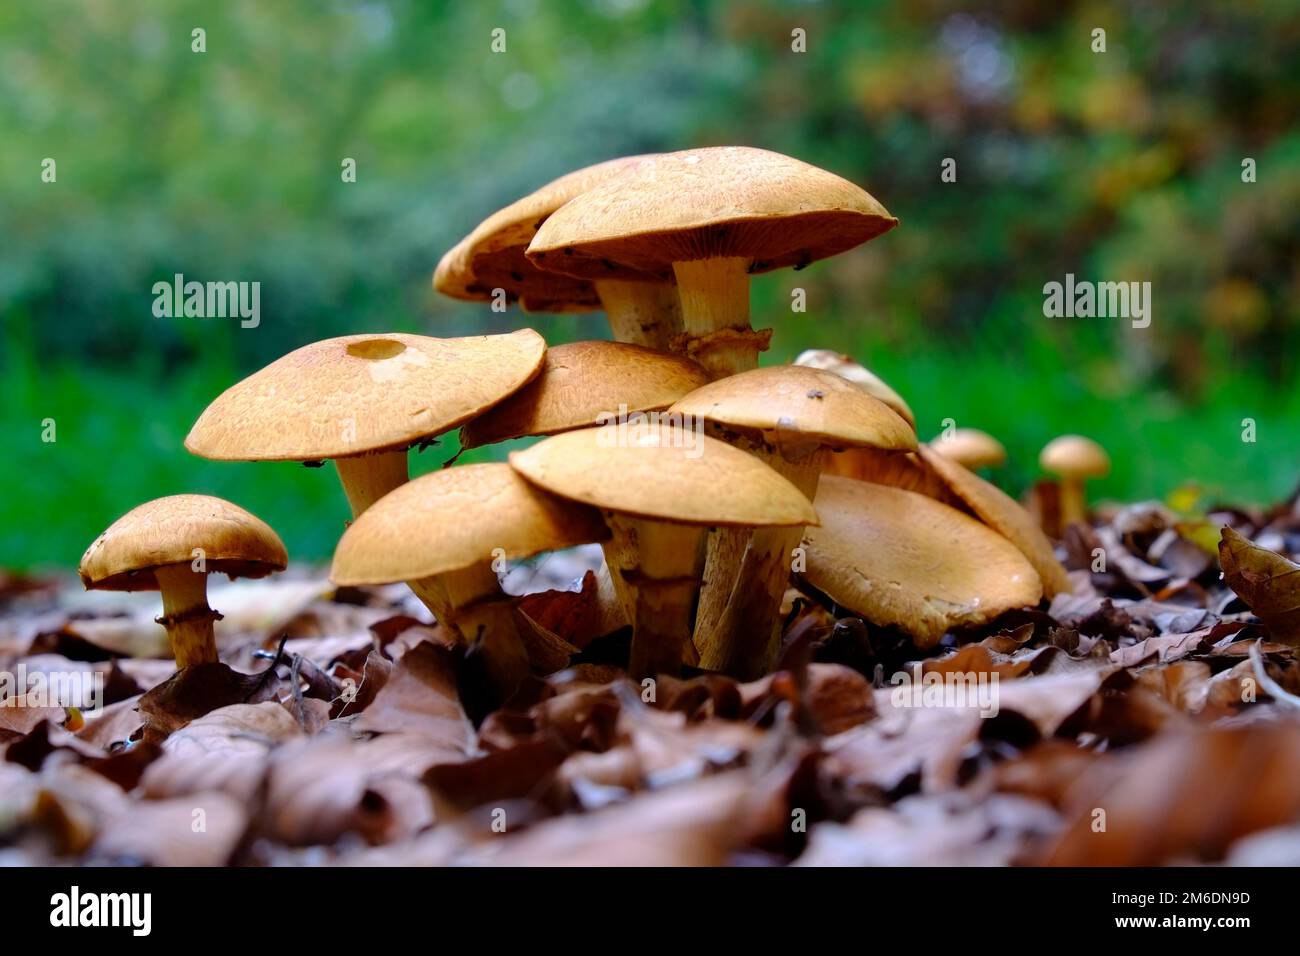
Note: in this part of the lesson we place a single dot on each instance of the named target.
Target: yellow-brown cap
(653, 470)
(846, 368)
(904, 560)
(1074, 456)
(363, 393)
(707, 203)
(451, 519)
(168, 531)
(580, 383)
(1004, 515)
(970, 448)
(792, 402)
(492, 255)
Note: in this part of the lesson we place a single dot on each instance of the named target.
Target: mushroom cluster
(713, 486)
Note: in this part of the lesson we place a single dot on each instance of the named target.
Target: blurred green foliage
(225, 165)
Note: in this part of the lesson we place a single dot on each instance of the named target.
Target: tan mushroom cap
(971, 448)
(451, 519)
(846, 368)
(659, 471)
(904, 560)
(1074, 456)
(167, 531)
(363, 393)
(492, 255)
(1004, 515)
(581, 381)
(795, 401)
(707, 203)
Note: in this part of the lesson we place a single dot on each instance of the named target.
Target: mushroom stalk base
(367, 478)
(471, 605)
(715, 315)
(738, 625)
(1074, 508)
(659, 565)
(642, 313)
(186, 615)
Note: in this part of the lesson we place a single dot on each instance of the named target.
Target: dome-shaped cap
(805, 403)
(970, 448)
(846, 368)
(1073, 456)
(167, 531)
(363, 393)
(582, 381)
(708, 203)
(492, 255)
(659, 471)
(451, 519)
(1004, 515)
(904, 560)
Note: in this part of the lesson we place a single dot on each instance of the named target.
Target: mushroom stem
(613, 601)
(715, 315)
(1074, 508)
(642, 313)
(471, 605)
(746, 572)
(367, 478)
(659, 563)
(186, 614)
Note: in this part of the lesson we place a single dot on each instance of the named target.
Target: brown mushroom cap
(1073, 456)
(451, 519)
(708, 203)
(166, 531)
(846, 368)
(1004, 515)
(666, 473)
(792, 400)
(904, 560)
(363, 393)
(492, 255)
(581, 381)
(971, 448)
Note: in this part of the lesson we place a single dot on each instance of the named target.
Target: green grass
(119, 439)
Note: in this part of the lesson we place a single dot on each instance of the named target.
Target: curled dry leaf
(421, 697)
(1266, 581)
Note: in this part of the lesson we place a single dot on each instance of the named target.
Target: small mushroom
(789, 417)
(1074, 459)
(659, 487)
(709, 218)
(846, 368)
(970, 448)
(444, 531)
(642, 309)
(171, 545)
(900, 559)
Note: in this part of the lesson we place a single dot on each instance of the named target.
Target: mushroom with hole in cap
(643, 310)
(445, 530)
(900, 559)
(1074, 459)
(171, 545)
(363, 400)
(659, 487)
(970, 448)
(846, 368)
(788, 416)
(709, 218)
